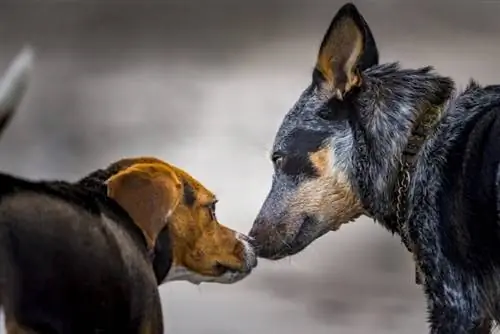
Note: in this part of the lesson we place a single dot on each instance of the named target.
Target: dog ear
(348, 47)
(149, 193)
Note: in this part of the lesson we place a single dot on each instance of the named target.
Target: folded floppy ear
(347, 48)
(149, 193)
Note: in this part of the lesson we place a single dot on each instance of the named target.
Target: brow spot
(189, 195)
(321, 160)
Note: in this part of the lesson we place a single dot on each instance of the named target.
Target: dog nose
(254, 243)
(250, 255)
(244, 237)
(252, 261)
(256, 235)
(247, 252)
(251, 241)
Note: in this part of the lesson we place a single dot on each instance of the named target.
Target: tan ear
(347, 48)
(149, 193)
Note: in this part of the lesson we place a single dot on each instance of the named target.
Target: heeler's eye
(277, 159)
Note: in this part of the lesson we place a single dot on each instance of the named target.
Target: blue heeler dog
(402, 147)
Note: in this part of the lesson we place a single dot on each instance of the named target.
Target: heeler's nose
(258, 235)
(254, 234)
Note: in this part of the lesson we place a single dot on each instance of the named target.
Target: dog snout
(249, 253)
(256, 234)
(246, 238)
(268, 240)
(262, 233)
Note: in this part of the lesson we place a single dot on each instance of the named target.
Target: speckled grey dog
(400, 146)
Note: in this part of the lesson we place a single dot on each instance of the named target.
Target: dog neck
(398, 109)
(423, 129)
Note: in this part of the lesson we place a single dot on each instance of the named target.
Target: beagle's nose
(249, 253)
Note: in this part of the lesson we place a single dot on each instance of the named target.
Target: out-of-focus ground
(204, 84)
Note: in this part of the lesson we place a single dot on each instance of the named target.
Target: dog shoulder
(61, 200)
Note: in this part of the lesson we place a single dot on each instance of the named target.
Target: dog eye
(211, 210)
(277, 159)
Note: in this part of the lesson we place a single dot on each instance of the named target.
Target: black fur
(452, 210)
(62, 267)
(303, 142)
(71, 259)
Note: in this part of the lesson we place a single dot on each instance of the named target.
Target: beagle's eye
(211, 210)
(277, 159)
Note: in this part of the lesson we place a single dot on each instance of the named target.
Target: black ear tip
(348, 9)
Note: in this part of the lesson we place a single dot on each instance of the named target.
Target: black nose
(254, 262)
(254, 236)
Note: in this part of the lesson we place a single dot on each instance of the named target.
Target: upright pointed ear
(347, 49)
(149, 193)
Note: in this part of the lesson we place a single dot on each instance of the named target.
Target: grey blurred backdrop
(204, 84)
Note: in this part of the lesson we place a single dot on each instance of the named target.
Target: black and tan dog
(87, 257)
(400, 146)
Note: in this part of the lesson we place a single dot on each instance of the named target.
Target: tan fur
(149, 193)
(199, 242)
(338, 58)
(329, 195)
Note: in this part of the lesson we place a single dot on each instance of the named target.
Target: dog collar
(423, 128)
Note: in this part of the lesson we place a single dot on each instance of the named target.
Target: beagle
(88, 256)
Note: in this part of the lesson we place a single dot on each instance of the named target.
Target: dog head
(155, 194)
(312, 190)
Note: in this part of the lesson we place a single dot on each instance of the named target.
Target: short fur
(338, 155)
(87, 257)
(73, 261)
(203, 250)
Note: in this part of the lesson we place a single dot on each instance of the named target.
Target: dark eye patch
(189, 195)
(301, 142)
(297, 147)
(298, 165)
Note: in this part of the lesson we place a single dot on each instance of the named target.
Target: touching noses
(260, 237)
(249, 252)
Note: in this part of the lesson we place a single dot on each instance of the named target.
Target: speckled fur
(453, 200)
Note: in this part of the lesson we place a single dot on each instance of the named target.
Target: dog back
(72, 262)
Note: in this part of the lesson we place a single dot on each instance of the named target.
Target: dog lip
(250, 252)
(302, 239)
(222, 269)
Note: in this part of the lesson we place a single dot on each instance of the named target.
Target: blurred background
(204, 85)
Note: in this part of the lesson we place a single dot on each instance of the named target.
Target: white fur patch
(181, 273)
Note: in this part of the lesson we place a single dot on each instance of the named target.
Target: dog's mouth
(220, 269)
(307, 233)
(225, 274)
